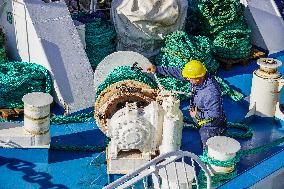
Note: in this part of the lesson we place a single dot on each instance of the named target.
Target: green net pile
(178, 49)
(224, 23)
(20, 78)
(122, 73)
(100, 40)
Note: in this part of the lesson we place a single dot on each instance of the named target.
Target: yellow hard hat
(193, 69)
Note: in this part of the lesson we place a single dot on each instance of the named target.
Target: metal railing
(152, 169)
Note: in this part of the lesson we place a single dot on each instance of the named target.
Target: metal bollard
(223, 149)
(36, 116)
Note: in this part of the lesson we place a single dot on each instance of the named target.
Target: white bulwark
(266, 23)
(44, 33)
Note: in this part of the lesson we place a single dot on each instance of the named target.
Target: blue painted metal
(257, 173)
(38, 155)
(88, 169)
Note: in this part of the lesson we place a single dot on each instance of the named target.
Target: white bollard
(177, 175)
(223, 149)
(265, 89)
(36, 116)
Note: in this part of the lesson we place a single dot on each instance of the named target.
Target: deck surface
(88, 170)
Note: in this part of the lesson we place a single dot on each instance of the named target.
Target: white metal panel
(44, 33)
(266, 23)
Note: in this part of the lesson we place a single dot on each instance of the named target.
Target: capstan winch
(267, 83)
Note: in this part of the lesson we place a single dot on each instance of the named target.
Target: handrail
(153, 166)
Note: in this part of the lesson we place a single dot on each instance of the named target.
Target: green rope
(80, 118)
(122, 73)
(224, 23)
(223, 177)
(216, 180)
(20, 78)
(205, 159)
(227, 90)
(86, 148)
(262, 148)
(180, 48)
(100, 37)
(248, 133)
(232, 44)
(216, 14)
(62, 119)
(77, 148)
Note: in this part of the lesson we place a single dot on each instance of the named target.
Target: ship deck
(35, 168)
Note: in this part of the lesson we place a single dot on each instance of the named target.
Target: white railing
(152, 168)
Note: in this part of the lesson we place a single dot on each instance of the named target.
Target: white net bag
(141, 25)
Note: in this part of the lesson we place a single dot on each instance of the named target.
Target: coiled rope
(224, 23)
(20, 78)
(122, 73)
(232, 44)
(100, 40)
(3, 56)
(219, 179)
(100, 36)
(179, 49)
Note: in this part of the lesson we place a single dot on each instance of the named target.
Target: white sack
(141, 25)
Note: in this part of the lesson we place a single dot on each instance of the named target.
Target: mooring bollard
(36, 116)
(223, 149)
(177, 175)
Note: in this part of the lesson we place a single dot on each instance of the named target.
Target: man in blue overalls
(206, 107)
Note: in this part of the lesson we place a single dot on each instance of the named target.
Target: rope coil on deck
(125, 73)
(224, 23)
(219, 179)
(20, 78)
(100, 36)
(100, 40)
(123, 84)
(180, 48)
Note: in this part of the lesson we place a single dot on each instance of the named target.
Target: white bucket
(223, 149)
(177, 175)
(37, 112)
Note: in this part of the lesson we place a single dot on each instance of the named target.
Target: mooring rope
(180, 48)
(122, 73)
(224, 23)
(100, 36)
(219, 179)
(20, 78)
(100, 40)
